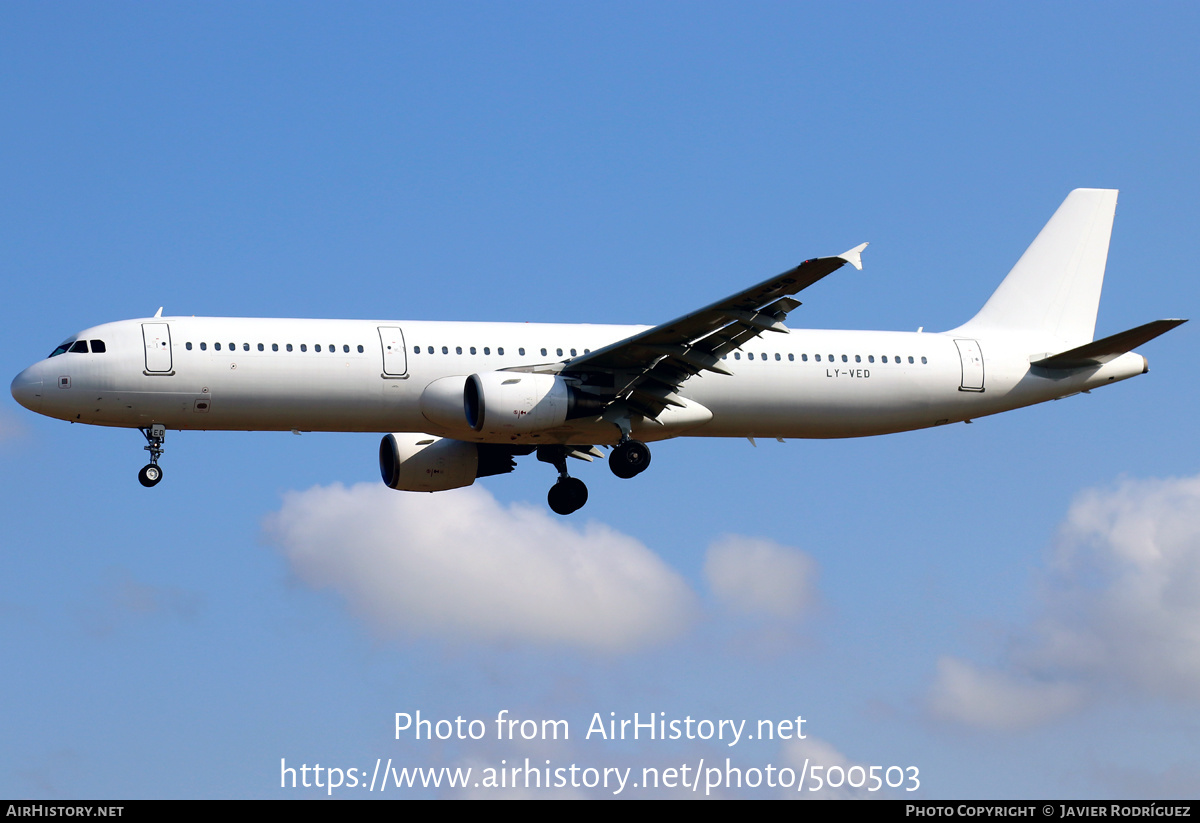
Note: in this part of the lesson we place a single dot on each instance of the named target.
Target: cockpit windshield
(80, 347)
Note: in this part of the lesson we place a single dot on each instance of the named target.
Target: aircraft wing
(646, 370)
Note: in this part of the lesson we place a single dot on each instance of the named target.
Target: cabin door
(157, 337)
(395, 358)
(972, 365)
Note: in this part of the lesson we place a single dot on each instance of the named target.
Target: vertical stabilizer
(1055, 287)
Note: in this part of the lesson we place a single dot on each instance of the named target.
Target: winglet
(159, 312)
(854, 256)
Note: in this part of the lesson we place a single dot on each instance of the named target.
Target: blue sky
(1008, 606)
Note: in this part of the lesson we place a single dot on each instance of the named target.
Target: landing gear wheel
(150, 475)
(629, 459)
(567, 495)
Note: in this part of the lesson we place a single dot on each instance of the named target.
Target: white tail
(1055, 287)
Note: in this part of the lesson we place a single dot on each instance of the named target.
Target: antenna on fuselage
(159, 312)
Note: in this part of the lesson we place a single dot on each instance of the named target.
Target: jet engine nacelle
(502, 402)
(423, 463)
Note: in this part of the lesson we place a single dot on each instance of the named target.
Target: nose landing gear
(151, 473)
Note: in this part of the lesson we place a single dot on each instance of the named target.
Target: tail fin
(1055, 287)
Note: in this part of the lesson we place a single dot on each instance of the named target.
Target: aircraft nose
(26, 389)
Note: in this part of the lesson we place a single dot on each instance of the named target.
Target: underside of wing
(646, 370)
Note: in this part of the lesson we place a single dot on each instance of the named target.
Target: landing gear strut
(629, 458)
(151, 473)
(568, 494)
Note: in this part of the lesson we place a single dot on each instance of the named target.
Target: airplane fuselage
(340, 375)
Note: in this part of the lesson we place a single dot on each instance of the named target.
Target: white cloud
(992, 699)
(756, 576)
(1120, 610)
(815, 758)
(458, 564)
(1123, 602)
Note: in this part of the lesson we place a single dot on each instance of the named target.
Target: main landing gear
(629, 458)
(568, 494)
(151, 473)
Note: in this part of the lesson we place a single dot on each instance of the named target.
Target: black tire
(629, 459)
(150, 475)
(567, 496)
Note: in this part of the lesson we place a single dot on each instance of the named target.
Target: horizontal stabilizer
(1109, 348)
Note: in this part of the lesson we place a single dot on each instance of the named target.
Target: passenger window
(333, 348)
(803, 357)
(246, 347)
(910, 358)
(203, 346)
(543, 352)
(458, 349)
(360, 349)
(416, 349)
(924, 361)
(317, 347)
(445, 349)
(303, 347)
(791, 357)
(500, 350)
(472, 350)
(260, 347)
(217, 346)
(431, 349)
(737, 355)
(233, 346)
(818, 357)
(188, 346)
(289, 346)
(98, 347)
(572, 352)
(777, 357)
(345, 349)
(857, 358)
(845, 359)
(559, 352)
(521, 351)
(487, 350)
(749, 355)
(884, 358)
(870, 358)
(80, 347)
(274, 347)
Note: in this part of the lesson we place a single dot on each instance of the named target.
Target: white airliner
(464, 399)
